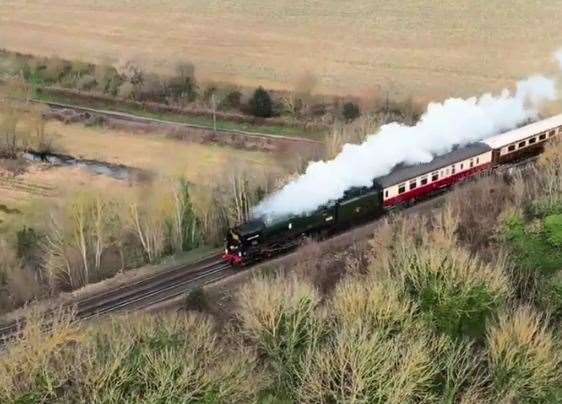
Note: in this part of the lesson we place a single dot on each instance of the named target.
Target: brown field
(419, 48)
(199, 163)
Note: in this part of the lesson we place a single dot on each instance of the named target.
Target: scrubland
(409, 48)
(458, 305)
(63, 227)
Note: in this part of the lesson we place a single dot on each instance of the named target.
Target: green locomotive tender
(259, 239)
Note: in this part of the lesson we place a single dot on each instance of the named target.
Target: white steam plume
(454, 122)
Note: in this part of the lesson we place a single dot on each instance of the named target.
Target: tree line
(129, 80)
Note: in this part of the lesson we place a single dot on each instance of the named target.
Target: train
(259, 239)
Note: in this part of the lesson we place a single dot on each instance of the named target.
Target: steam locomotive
(260, 239)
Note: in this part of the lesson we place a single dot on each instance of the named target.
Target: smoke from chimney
(444, 125)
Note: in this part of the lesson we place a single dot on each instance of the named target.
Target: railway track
(158, 288)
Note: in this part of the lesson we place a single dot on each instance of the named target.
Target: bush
(196, 300)
(261, 104)
(232, 100)
(183, 84)
(108, 79)
(150, 89)
(86, 82)
(38, 365)
(524, 358)
(455, 291)
(535, 245)
(375, 304)
(279, 317)
(365, 365)
(140, 359)
(350, 111)
(55, 69)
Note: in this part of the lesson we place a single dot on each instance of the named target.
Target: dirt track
(181, 131)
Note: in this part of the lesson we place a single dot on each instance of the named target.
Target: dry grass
(414, 48)
(200, 164)
(61, 182)
(525, 358)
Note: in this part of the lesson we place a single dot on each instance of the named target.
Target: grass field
(418, 48)
(200, 164)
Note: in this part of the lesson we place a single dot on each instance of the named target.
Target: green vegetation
(177, 97)
(260, 104)
(203, 120)
(350, 111)
(197, 300)
(536, 243)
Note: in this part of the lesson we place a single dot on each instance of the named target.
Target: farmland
(409, 48)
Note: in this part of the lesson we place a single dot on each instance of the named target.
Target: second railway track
(143, 294)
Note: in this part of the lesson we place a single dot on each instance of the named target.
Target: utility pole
(214, 104)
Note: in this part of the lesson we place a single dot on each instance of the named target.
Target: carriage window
(435, 176)
(477, 160)
(401, 188)
(386, 193)
(453, 170)
(462, 166)
(551, 133)
(532, 140)
(471, 163)
(413, 184)
(423, 181)
(522, 144)
(542, 137)
(511, 148)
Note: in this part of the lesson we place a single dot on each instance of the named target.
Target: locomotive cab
(242, 242)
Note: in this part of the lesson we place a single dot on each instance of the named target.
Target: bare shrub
(55, 69)
(361, 365)
(479, 206)
(353, 132)
(375, 304)
(38, 364)
(171, 358)
(279, 316)
(524, 357)
(174, 358)
(86, 82)
(18, 284)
